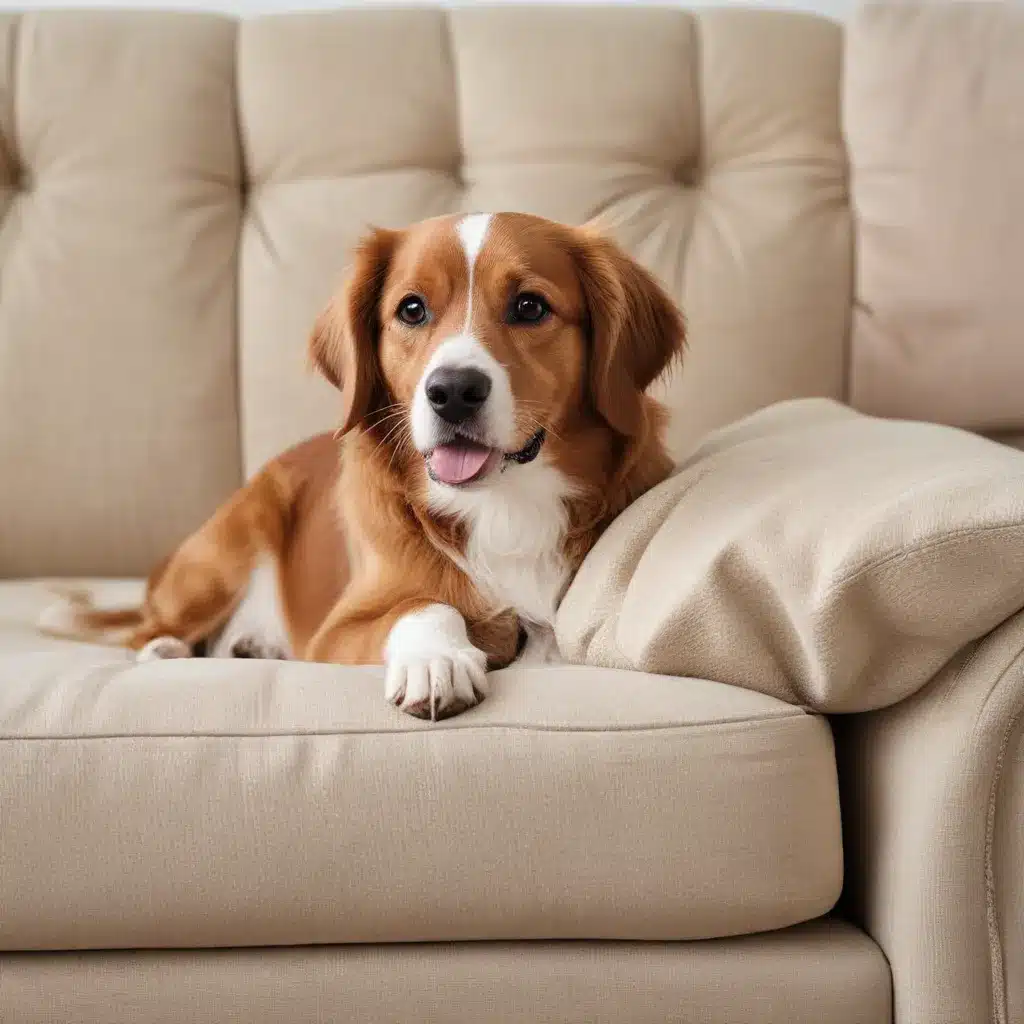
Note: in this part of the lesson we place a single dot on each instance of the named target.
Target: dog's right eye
(412, 310)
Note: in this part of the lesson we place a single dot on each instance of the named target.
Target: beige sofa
(209, 841)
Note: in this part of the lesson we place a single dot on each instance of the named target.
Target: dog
(493, 371)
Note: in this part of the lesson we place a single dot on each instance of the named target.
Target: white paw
(437, 687)
(433, 671)
(164, 647)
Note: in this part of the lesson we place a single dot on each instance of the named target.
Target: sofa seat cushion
(231, 803)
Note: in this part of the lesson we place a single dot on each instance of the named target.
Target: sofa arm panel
(931, 791)
(1008, 869)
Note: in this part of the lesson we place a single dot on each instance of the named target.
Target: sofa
(780, 777)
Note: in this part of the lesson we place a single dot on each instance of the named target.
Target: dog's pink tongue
(457, 463)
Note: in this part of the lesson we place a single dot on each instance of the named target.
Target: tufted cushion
(167, 172)
(936, 133)
(120, 207)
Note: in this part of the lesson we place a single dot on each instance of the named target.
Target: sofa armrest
(933, 819)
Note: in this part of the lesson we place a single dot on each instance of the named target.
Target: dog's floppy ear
(636, 331)
(345, 338)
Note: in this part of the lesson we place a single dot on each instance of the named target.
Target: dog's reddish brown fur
(347, 522)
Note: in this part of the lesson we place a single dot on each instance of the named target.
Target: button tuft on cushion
(689, 176)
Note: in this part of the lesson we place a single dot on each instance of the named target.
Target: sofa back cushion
(119, 214)
(933, 117)
(162, 173)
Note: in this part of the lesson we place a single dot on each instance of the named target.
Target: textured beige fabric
(824, 971)
(120, 204)
(933, 822)
(932, 111)
(246, 803)
(709, 145)
(825, 557)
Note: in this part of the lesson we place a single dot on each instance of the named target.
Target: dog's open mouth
(462, 461)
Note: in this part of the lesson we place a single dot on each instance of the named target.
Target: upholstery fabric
(932, 112)
(120, 214)
(825, 557)
(823, 971)
(933, 817)
(213, 803)
(161, 172)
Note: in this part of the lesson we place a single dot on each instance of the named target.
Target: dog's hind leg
(201, 585)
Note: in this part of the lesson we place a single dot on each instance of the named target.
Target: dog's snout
(456, 393)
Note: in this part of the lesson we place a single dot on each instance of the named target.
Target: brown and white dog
(492, 371)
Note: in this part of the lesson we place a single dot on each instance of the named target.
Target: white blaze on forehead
(472, 231)
(462, 350)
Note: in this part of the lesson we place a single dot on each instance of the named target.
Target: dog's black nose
(456, 393)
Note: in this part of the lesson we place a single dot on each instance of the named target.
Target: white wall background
(834, 8)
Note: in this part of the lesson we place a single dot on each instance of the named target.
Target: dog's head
(474, 340)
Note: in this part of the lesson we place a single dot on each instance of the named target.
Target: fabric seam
(949, 540)
(729, 725)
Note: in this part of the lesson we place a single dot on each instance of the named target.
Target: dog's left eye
(528, 308)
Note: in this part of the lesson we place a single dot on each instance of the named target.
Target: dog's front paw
(437, 687)
(433, 671)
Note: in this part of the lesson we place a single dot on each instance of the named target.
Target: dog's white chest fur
(515, 531)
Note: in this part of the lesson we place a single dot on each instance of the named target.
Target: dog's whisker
(390, 417)
(394, 429)
(397, 427)
(405, 438)
(525, 419)
(391, 429)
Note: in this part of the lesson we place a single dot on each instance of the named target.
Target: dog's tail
(75, 616)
